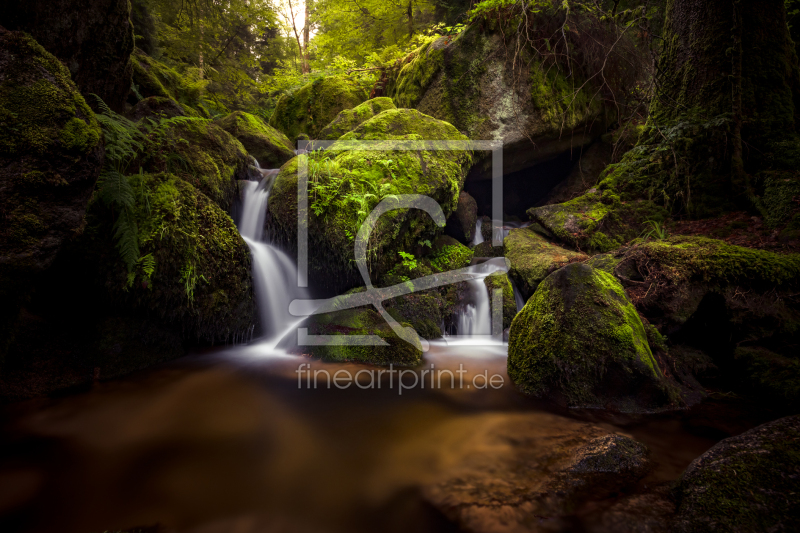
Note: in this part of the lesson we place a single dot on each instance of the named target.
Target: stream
(239, 439)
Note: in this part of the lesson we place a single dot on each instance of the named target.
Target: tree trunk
(306, 37)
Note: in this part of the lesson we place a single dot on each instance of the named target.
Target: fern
(114, 190)
(126, 235)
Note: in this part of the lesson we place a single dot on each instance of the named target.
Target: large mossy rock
(500, 281)
(194, 269)
(93, 38)
(470, 82)
(50, 157)
(533, 258)
(580, 342)
(347, 184)
(270, 147)
(201, 153)
(153, 78)
(462, 224)
(314, 105)
(349, 119)
(362, 322)
(158, 107)
(748, 483)
(599, 220)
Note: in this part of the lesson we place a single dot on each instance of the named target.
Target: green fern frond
(114, 190)
(126, 235)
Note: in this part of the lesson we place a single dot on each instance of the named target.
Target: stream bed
(234, 440)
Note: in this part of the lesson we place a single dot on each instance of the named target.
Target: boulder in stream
(270, 147)
(748, 483)
(580, 342)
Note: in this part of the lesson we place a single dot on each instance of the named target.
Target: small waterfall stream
(274, 273)
(475, 318)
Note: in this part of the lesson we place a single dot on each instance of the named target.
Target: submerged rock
(51, 154)
(270, 147)
(580, 342)
(348, 184)
(350, 119)
(747, 483)
(314, 105)
(530, 473)
(93, 38)
(462, 224)
(533, 258)
(470, 82)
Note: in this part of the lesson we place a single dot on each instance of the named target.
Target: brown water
(226, 441)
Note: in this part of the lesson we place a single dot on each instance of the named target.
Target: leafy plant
(656, 231)
(408, 260)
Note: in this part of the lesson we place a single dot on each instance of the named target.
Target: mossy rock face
(461, 224)
(314, 105)
(201, 153)
(501, 281)
(94, 39)
(533, 258)
(746, 483)
(598, 220)
(362, 322)
(485, 249)
(50, 157)
(194, 270)
(346, 185)
(153, 78)
(448, 254)
(350, 119)
(159, 107)
(580, 342)
(470, 82)
(270, 147)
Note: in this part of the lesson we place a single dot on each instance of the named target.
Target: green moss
(348, 119)
(200, 153)
(154, 78)
(194, 270)
(314, 105)
(362, 322)
(581, 341)
(346, 185)
(449, 254)
(533, 258)
(561, 102)
(270, 147)
(501, 281)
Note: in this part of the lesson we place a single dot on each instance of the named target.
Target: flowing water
(236, 440)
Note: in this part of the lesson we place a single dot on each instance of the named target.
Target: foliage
(655, 230)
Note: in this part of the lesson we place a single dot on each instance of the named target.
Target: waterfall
(475, 318)
(274, 273)
(478, 237)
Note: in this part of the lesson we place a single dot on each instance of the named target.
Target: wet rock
(500, 281)
(461, 224)
(314, 105)
(651, 511)
(51, 154)
(533, 258)
(337, 213)
(580, 342)
(583, 176)
(485, 249)
(93, 38)
(270, 147)
(747, 483)
(349, 119)
(526, 473)
(470, 82)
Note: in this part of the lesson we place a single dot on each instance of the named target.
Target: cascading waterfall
(475, 318)
(274, 273)
(478, 238)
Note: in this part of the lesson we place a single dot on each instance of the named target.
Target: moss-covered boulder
(461, 224)
(347, 184)
(598, 220)
(448, 254)
(194, 268)
(580, 342)
(153, 78)
(470, 81)
(500, 281)
(485, 249)
(270, 147)
(362, 321)
(349, 119)
(533, 258)
(93, 38)
(50, 157)
(314, 105)
(157, 107)
(746, 483)
(202, 154)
